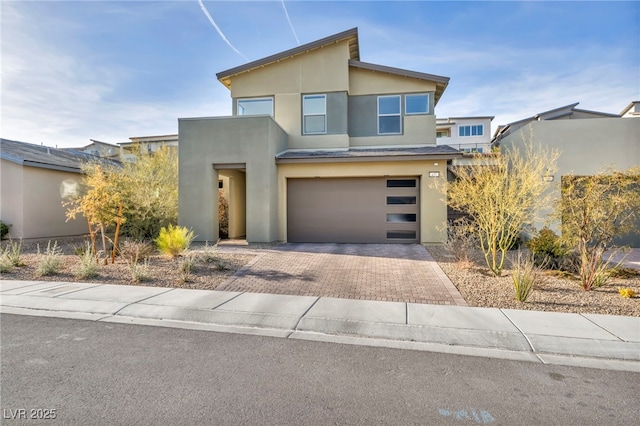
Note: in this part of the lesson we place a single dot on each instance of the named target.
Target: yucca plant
(525, 274)
(174, 240)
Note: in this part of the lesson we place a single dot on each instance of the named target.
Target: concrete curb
(594, 341)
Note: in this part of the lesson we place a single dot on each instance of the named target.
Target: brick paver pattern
(389, 272)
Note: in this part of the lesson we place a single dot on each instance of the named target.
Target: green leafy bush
(50, 262)
(548, 250)
(174, 240)
(4, 230)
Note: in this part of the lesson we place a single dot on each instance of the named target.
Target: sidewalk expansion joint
(141, 300)
(521, 332)
(226, 301)
(295, 327)
(603, 328)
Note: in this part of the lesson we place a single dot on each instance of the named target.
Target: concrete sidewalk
(595, 341)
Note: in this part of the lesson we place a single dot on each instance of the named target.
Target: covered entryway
(353, 210)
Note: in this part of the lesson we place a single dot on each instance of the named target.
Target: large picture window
(255, 106)
(389, 118)
(416, 104)
(314, 114)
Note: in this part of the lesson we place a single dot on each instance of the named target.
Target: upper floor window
(471, 130)
(389, 119)
(255, 106)
(416, 104)
(314, 114)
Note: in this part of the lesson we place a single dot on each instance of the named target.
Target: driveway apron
(389, 272)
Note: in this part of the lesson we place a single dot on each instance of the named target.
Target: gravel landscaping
(208, 273)
(477, 286)
(554, 294)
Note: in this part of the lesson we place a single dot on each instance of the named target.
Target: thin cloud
(206, 12)
(286, 13)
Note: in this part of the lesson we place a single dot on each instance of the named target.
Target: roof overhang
(350, 35)
(440, 152)
(440, 81)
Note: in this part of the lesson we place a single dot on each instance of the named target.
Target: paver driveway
(392, 272)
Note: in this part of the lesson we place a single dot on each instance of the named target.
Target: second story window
(471, 130)
(255, 106)
(416, 104)
(314, 114)
(389, 119)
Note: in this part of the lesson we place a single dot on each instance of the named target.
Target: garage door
(353, 210)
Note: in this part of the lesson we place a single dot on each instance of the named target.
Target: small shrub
(13, 252)
(174, 240)
(5, 264)
(87, 266)
(139, 271)
(4, 230)
(223, 215)
(525, 275)
(210, 253)
(50, 262)
(627, 292)
(461, 240)
(548, 250)
(135, 251)
(186, 267)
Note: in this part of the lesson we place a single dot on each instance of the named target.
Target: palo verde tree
(138, 198)
(101, 203)
(500, 194)
(594, 210)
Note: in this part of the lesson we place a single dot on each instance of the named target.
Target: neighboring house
(34, 181)
(588, 141)
(467, 134)
(321, 148)
(98, 148)
(632, 110)
(145, 144)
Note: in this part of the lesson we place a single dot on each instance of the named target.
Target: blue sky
(108, 70)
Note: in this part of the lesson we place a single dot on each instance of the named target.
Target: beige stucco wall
(236, 196)
(367, 82)
(433, 210)
(417, 130)
(32, 204)
(11, 205)
(250, 143)
(306, 73)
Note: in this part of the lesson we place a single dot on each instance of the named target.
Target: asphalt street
(84, 372)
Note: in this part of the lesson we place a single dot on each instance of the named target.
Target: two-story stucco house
(588, 142)
(467, 134)
(321, 147)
